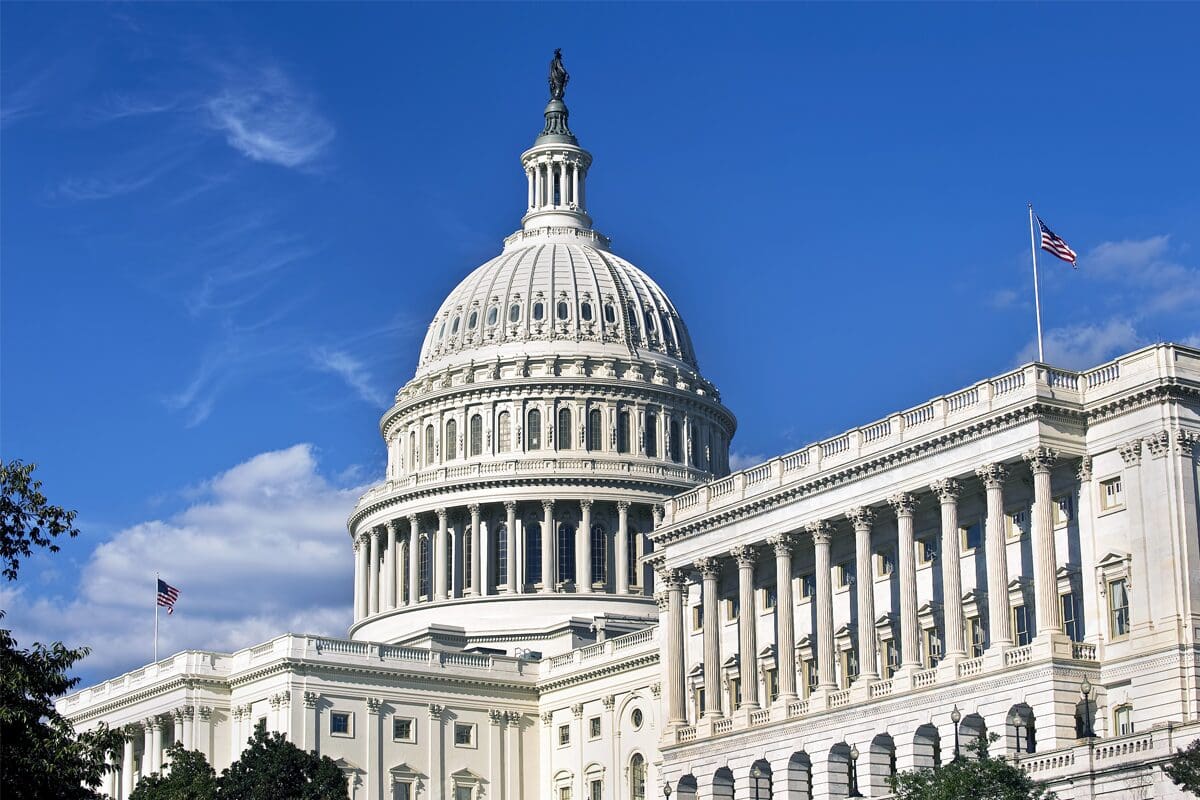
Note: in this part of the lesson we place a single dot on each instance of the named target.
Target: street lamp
(1014, 722)
(956, 717)
(667, 789)
(1085, 689)
(854, 792)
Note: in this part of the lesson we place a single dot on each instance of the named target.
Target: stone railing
(615, 648)
(1103, 755)
(1018, 655)
(1083, 651)
(199, 663)
(760, 717)
(1033, 382)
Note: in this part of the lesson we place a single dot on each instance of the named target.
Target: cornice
(611, 668)
(185, 682)
(303, 666)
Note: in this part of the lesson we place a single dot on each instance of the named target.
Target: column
(562, 183)
(360, 578)
(188, 727)
(710, 577)
(401, 568)
(910, 634)
(437, 561)
(999, 625)
(822, 534)
(512, 755)
(549, 579)
(414, 562)
(583, 549)
(127, 765)
(785, 624)
(529, 180)
(148, 746)
(622, 582)
(177, 717)
(746, 557)
(868, 656)
(510, 544)
(1045, 562)
(675, 582)
(436, 749)
(537, 185)
(389, 565)
(373, 571)
(476, 553)
(496, 753)
(575, 188)
(948, 491)
(375, 779)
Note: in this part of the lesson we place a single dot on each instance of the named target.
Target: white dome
(556, 292)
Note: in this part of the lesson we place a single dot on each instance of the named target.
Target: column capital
(1084, 473)
(585, 505)
(436, 710)
(413, 523)
(1131, 452)
(547, 718)
(745, 555)
(781, 543)
(394, 525)
(374, 706)
(310, 699)
(547, 505)
(473, 508)
(153, 722)
(510, 505)
(708, 567)
(821, 531)
(993, 475)
(661, 600)
(1040, 459)
(359, 540)
(947, 490)
(623, 505)
(609, 701)
(903, 503)
(673, 578)
(577, 710)
(658, 512)
(862, 517)
(513, 717)
(377, 531)
(496, 716)
(441, 514)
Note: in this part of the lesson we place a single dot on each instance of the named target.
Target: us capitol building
(561, 591)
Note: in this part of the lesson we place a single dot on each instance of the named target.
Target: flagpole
(1037, 303)
(155, 617)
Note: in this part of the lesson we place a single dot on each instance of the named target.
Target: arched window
(563, 433)
(454, 326)
(669, 334)
(760, 781)
(634, 331)
(413, 461)
(451, 439)
(493, 315)
(651, 434)
(533, 430)
(476, 435)
(539, 311)
(634, 555)
(622, 431)
(504, 432)
(637, 777)
(423, 554)
(694, 446)
(563, 310)
(428, 445)
(514, 312)
(595, 431)
(472, 320)
(533, 552)
(599, 555)
(442, 331)
(501, 554)
(566, 552)
(585, 312)
(610, 314)
(676, 445)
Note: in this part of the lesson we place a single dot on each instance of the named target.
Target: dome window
(514, 312)
(472, 320)
(563, 311)
(454, 326)
(564, 429)
(533, 429)
(442, 332)
(539, 311)
(650, 323)
(585, 312)
(610, 314)
(493, 315)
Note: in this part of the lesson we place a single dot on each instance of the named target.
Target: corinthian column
(1045, 562)
(389, 566)
(549, 540)
(476, 552)
(868, 657)
(127, 776)
(947, 492)
(999, 627)
(438, 562)
(905, 505)
(414, 561)
(360, 577)
(675, 582)
(622, 582)
(373, 572)
(710, 575)
(583, 549)
(785, 624)
(510, 545)
(822, 534)
(746, 558)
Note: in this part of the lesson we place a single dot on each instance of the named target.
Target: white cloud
(738, 461)
(1083, 346)
(267, 119)
(350, 370)
(260, 550)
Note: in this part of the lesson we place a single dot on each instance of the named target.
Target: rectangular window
(697, 617)
(596, 789)
(698, 699)
(462, 793)
(735, 693)
(1112, 494)
(464, 734)
(1063, 510)
(564, 793)
(1070, 617)
(932, 647)
(564, 735)
(885, 564)
(975, 636)
(849, 667)
(927, 550)
(1021, 625)
(341, 723)
(1118, 608)
(811, 678)
(970, 537)
(404, 790)
(594, 727)
(1123, 720)
(1016, 523)
(732, 606)
(845, 574)
(891, 658)
(403, 729)
(772, 678)
(769, 597)
(808, 586)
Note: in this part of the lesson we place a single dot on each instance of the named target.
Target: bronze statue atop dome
(558, 76)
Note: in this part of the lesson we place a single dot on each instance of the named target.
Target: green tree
(978, 778)
(1184, 768)
(190, 777)
(272, 768)
(40, 753)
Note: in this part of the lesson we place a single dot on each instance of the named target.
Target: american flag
(167, 595)
(1052, 243)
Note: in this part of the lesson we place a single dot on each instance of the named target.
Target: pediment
(347, 766)
(404, 770)
(1114, 559)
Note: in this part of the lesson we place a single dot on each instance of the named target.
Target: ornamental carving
(623, 506)
(993, 475)
(473, 508)
(658, 512)
(1186, 442)
(1040, 459)
(904, 504)
(514, 717)
(673, 579)
(609, 701)
(1084, 473)
(496, 716)
(744, 555)
(1159, 444)
(1131, 452)
(548, 506)
(547, 718)
(510, 506)
(436, 710)
(375, 705)
(656, 689)
(947, 490)
(441, 515)
(577, 710)
(310, 699)
(708, 567)
(862, 517)
(781, 543)
(585, 505)
(821, 531)
(661, 600)
(394, 526)
(206, 712)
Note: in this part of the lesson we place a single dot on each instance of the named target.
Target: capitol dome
(557, 402)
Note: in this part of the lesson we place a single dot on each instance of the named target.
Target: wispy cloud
(112, 184)
(1083, 346)
(268, 119)
(739, 461)
(350, 370)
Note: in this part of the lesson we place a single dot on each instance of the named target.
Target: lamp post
(956, 717)
(1015, 722)
(667, 789)
(1085, 689)
(854, 792)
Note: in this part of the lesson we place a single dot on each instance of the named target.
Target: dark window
(676, 445)
(504, 432)
(514, 312)
(476, 435)
(610, 314)
(402, 729)
(533, 552)
(623, 432)
(473, 320)
(451, 439)
(502, 553)
(539, 311)
(633, 557)
(566, 552)
(563, 310)
(493, 315)
(454, 326)
(585, 312)
(595, 430)
(339, 722)
(534, 429)
(563, 433)
(599, 554)
(651, 434)
(429, 450)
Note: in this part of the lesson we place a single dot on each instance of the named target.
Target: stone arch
(877, 766)
(637, 772)
(797, 778)
(1020, 730)
(927, 747)
(685, 789)
(759, 780)
(837, 771)
(971, 729)
(722, 784)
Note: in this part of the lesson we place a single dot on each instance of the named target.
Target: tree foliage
(27, 518)
(40, 753)
(272, 768)
(1184, 768)
(190, 777)
(979, 778)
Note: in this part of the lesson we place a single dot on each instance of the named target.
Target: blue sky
(225, 228)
